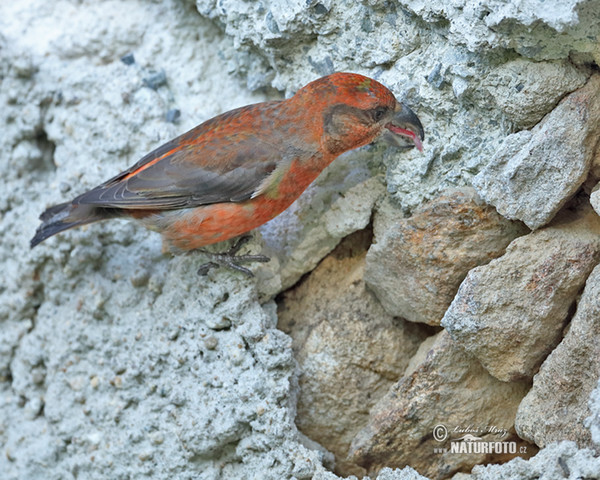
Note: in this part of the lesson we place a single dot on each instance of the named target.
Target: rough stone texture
(536, 172)
(77, 381)
(557, 405)
(442, 385)
(595, 198)
(417, 266)
(349, 350)
(339, 202)
(534, 28)
(556, 462)
(406, 473)
(97, 395)
(593, 421)
(592, 184)
(511, 312)
(517, 88)
(474, 112)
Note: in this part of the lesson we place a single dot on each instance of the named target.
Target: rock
(417, 266)
(406, 473)
(595, 198)
(443, 393)
(558, 461)
(557, 405)
(547, 33)
(536, 172)
(311, 228)
(526, 91)
(349, 350)
(311, 33)
(593, 421)
(510, 313)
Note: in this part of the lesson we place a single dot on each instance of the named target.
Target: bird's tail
(64, 216)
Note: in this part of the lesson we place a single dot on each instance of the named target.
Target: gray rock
(593, 421)
(349, 350)
(525, 91)
(557, 405)
(536, 172)
(534, 29)
(301, 236)
(417, 265)
(557, 461)
(595, 198)
(406, 473)
(510, 313)
(442, 389)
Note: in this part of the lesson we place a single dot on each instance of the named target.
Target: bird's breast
(208, 224)
(298, 175)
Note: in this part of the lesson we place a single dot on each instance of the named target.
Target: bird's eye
(378, 113)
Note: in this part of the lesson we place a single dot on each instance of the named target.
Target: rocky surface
(593, 421)
(556, 462)
(117, 361)
(348, 349)
(442, 388)
(535, 172)
(417, 265)
(534, 32)
(595, 198)
(557, 405)
(511, 312)
(339, 202)
(526, 91)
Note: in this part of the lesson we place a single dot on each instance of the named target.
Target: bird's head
(356, 110)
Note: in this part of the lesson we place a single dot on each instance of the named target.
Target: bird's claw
(230, 260)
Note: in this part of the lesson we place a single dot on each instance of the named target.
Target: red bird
(240, 169)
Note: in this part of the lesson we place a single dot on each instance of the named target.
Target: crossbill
(242, 168)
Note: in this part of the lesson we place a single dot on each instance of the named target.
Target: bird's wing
(209, 164)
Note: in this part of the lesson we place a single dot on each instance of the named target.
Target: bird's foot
(229, 259)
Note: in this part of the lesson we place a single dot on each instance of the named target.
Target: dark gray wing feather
(184, 178)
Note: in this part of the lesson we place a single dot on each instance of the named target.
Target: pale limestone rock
(536, 172)
(557, 405)
(406, 473)
(349, 350)
(559, 461)
(593, 421)
(511, 312)
(442, 386)
(417, 265)
(302, 235)
(595, 198)
(525, 91)
(534, 28)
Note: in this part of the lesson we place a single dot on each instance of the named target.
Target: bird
(240, 169)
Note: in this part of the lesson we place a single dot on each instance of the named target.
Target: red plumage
(240, 169)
